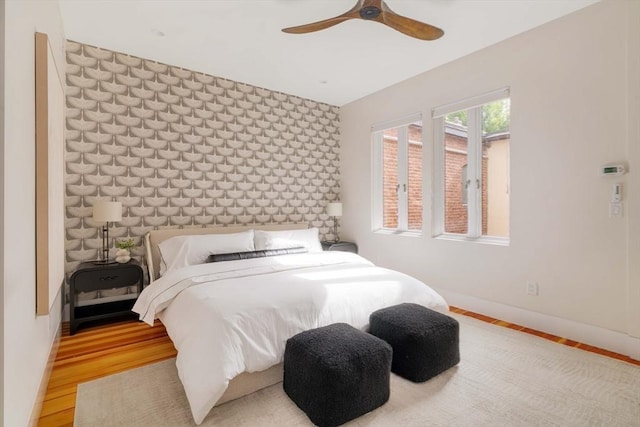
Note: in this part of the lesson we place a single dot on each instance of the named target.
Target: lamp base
(104, 261)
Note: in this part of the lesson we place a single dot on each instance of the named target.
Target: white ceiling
(241, 39)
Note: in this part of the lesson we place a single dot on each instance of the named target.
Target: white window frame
(377, 208)
(474, 168)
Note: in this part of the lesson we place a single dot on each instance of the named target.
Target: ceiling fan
(374, 10)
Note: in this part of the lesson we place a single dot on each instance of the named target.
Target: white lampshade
(334, 209)
(107, 211)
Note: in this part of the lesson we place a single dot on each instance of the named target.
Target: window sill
(487, 240)
(389, 231)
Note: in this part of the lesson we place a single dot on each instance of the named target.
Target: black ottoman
(336, 373)
(425, 342)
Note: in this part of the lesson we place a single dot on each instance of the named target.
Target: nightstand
(340, 246)
(103, 291)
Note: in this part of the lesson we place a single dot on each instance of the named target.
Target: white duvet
(229, 317)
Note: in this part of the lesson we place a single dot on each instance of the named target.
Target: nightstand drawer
(340, 246)
(93, 280)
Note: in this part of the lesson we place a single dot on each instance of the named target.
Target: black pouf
(425, 342)
(336, 373)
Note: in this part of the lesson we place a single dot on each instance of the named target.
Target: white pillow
(308, 238)
(181, 251)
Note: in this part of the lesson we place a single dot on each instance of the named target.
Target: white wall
(27, 338)
(2, 5)
(633, 187)
(570, 114)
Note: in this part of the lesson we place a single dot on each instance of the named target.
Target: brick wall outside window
(415, 187)
(390, 178)
(455, 218)
(455, 158)
(415, 178)
(455, 210)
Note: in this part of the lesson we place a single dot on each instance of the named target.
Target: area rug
(505, 378)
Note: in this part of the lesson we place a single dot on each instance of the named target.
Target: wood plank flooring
(98, 352)
(105, 350)
(547, 336)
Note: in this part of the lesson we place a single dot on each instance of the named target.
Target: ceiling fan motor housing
(370, 12)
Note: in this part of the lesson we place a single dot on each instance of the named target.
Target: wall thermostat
(612, 170)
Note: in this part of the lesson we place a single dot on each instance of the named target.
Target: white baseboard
(634, 344)
(618, 342)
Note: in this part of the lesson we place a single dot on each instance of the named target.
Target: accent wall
(180, 148)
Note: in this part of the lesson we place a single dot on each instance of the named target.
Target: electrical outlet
(532, 288)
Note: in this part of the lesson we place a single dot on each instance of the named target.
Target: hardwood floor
(544, 335)
(104, 350)
(98, 352)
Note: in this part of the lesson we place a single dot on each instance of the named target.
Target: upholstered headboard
(153, 238)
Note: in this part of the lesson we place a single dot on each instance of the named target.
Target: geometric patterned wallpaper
(184, 149)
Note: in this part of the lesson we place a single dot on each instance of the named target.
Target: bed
(230, 320)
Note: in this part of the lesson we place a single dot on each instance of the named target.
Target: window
(397, 166)
(472, 142)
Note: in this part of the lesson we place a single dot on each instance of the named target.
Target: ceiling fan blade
(408, 26)
(325, 23)
(317, 26)
(374, 10)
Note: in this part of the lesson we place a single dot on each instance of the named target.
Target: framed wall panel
(49, 176)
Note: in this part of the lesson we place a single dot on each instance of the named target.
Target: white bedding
(229, 317)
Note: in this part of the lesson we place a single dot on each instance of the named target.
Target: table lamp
(334, 210)
(106, 211)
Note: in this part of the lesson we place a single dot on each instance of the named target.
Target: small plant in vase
(124, 250)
